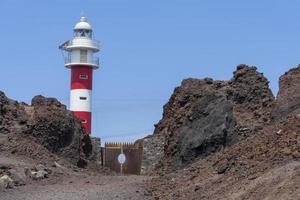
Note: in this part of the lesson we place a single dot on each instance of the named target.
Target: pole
(121, 164)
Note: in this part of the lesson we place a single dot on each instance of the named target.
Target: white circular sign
(122, 158)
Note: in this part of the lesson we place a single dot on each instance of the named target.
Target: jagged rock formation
(12, 116)
(252, 98)
(204, 116)
(288, 97)
(48, 123)
(263, 165)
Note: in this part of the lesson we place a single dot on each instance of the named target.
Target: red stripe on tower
(82, 62)
(82, 77)
(87, 119)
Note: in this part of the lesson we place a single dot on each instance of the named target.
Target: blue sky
(148, 47)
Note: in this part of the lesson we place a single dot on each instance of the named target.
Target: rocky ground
(36, 173)
(82, 187)
(67, 183)
(263, 166)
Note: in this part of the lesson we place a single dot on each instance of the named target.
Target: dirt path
(70, 184)
(81, 187)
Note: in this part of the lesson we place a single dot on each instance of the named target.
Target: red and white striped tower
(82, 62)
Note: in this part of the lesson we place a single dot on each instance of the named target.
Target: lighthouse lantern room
(81, 61)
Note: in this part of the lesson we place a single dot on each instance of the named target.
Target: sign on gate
(123, 158)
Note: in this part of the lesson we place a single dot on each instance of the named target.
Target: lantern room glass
(83, 33)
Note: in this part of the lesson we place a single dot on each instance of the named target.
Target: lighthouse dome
(83, 24)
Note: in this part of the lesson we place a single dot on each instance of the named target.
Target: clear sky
(148, 47)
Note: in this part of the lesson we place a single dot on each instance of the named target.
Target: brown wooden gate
(133, 157)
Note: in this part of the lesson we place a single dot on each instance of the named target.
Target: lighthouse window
(83, 76)
(82, 98)
(83, 55)
(83, 33)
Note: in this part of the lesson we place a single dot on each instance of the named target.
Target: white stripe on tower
(81, 100)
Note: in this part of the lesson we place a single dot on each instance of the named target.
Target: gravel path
(81, 188)
(69, 184)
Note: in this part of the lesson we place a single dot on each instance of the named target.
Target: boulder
(36, 175)
(5, 182)
(39, 175)
(56, 128)
(18, 176)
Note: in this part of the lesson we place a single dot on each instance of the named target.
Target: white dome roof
(83, 24)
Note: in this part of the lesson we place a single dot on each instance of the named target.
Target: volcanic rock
(56, 128)
(18, 176)
(46, 122)
(258, 167)
(288, 97)
(36, 175)
(12, 116)
(5, 182)
(204, 116)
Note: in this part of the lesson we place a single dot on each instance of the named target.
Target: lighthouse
(81, 61)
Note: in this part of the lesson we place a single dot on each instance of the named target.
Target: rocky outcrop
(212, 127)
(204, 116)
(288, 97)
(12, 116)
(252, 98)
(48, 123)
(56, 128)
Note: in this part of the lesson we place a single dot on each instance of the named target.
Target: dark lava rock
(49, 122)
(40, 101)
(212, 127)
(56, 128)
(12, 116)
(222, 168)
(288, 97)
(204, 116)
(252, 98)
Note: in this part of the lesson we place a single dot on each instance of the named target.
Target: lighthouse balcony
(93, 62)
(82, 42)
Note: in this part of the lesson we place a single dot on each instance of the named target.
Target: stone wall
(96, 155)
(153, 151)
